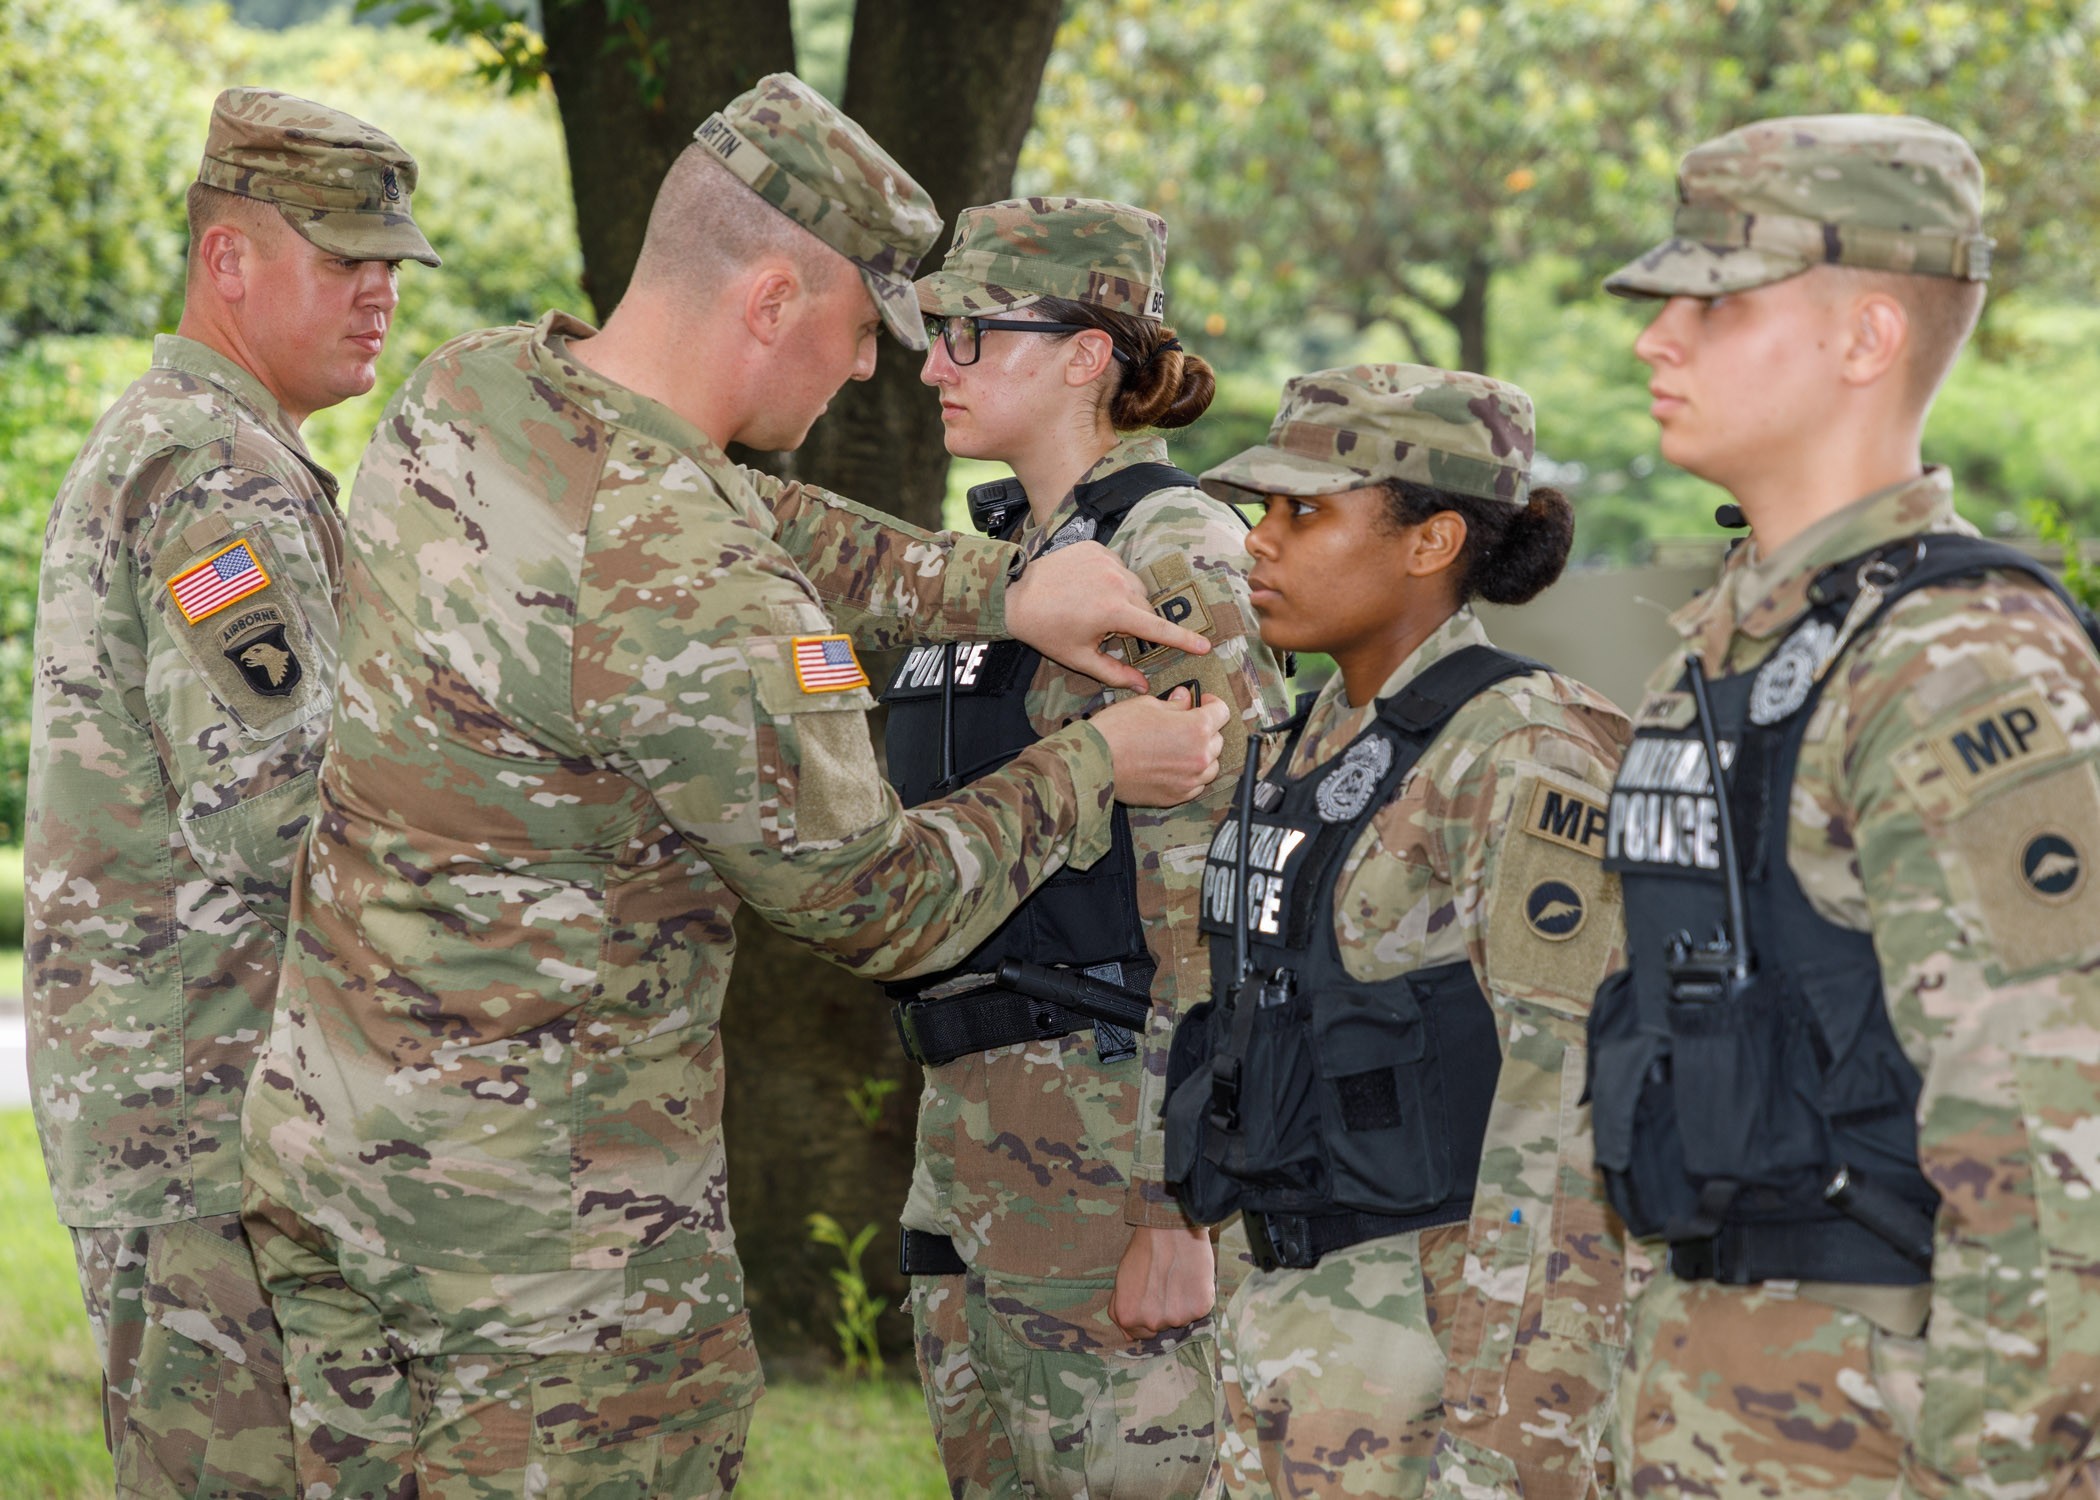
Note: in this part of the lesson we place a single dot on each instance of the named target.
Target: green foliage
(2081, 573)
(93, 152)
(859, 1308)
(865, 1098)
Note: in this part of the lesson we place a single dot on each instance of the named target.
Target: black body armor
(1329, 1109)
(959, 712)
(1752, 1103)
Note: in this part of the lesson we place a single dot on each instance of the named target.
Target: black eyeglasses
(963, 336)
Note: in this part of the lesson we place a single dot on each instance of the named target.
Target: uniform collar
(618, 406)
(1758, 597)
(1129, 451)
(1333, 721)
(171, 351)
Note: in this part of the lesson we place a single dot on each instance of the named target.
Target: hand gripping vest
(960, 712)
(1750, 1099)
(1329, 1109)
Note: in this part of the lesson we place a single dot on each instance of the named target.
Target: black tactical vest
(960, 712)
(1761, 1115)
(1331, 1110)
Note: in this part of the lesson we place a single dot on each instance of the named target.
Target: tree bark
(620, 144)
(1468, 315)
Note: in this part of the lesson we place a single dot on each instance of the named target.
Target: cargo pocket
(1491, 1304)
(1380, 1085)
(2056, 1104)
(649, 1421)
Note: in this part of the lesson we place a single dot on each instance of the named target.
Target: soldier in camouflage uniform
(590, 704)
(1941, 822)
(1074, 1354)
(185, 650)
(1470, 1349)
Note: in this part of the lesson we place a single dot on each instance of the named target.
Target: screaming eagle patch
(267, 662)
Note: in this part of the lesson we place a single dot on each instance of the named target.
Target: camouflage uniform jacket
(590, 706)
(1993, 984)
(1508, 801)
(1033, 1158)
(170, 781)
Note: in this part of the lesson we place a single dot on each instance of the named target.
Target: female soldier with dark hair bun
(1386, 1083)
(1060, 1296)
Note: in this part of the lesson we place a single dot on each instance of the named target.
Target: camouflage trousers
(1759, 1391)
(409, 1381)
(1033, 1390)
(1334, 1375)
(193, 1393)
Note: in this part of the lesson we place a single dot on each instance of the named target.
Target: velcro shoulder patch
(826, 664)
(214, 582)
(1570, 819)
(1176, 596)
(1990, 743)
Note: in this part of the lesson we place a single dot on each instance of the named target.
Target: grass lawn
(809, 1437)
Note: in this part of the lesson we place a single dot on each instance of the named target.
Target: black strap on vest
(1107, 501)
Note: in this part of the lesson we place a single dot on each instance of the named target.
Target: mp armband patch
(2012, 734)
(1176, 598)
(225, 578)
(1559, 816)
(826, 664)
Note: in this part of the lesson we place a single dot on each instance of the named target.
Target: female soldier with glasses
(1060, 1297)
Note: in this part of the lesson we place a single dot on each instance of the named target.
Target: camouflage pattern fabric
(172, 756)
(1008, 255)
(1990, 959)
(797, 151)
(196, 1402)
(344, 185)
(1334, 1376)
(1034, 1390)
(589, 706)
(1490, 852)
(1768, 201)
(1338, 430)
(1037, 1159)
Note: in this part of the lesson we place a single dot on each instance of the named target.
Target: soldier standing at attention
(1848, 1082)
(590, 705)
(185, 652)
(1059, 1294)
(1408, 915)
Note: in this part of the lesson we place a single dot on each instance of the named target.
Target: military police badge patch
(1078, 529)
(1346, 790)
(1783, 682)
(267, 663)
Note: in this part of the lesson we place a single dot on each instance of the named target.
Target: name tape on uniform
(826, 664)
(226, 577)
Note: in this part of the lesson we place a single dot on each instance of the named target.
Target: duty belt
(1031, 1003)
(1298, 1241)
(920, 1252)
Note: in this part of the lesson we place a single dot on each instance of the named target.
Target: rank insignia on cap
(226, 577)
(826, 664)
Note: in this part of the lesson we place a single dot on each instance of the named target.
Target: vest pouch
(1264, 1114)
(1742, 1072)
(1633, 1113)
(1388, 1140)
(1206, 1194)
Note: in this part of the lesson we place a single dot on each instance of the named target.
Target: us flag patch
(826, 664)
(226, 577)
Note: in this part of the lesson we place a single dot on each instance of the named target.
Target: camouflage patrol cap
(1343, 429)
(1771, 200)
(800, 154)
(343, 184)
(1007, 255)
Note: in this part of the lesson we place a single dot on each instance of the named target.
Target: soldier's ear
(769, 300)
(1877, 336)
(222, 256)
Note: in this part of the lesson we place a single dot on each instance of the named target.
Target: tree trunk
(1469, 316)
(620, 144)
(948, 88)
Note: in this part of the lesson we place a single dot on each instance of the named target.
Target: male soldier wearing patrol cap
(1847, 1085)
(185, 653)
(592, 703)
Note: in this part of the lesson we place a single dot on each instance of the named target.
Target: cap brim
(1245, 477)
(898, 304)
(364, 236)
(952, 295)
(1691, 268)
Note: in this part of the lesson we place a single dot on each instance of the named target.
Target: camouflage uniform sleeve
(764, 765)
(1972, 777)
(882, 581)
(1191, 554)
(237, 698)
(1534, 1352)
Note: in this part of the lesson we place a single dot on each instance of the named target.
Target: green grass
(819, 1437)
